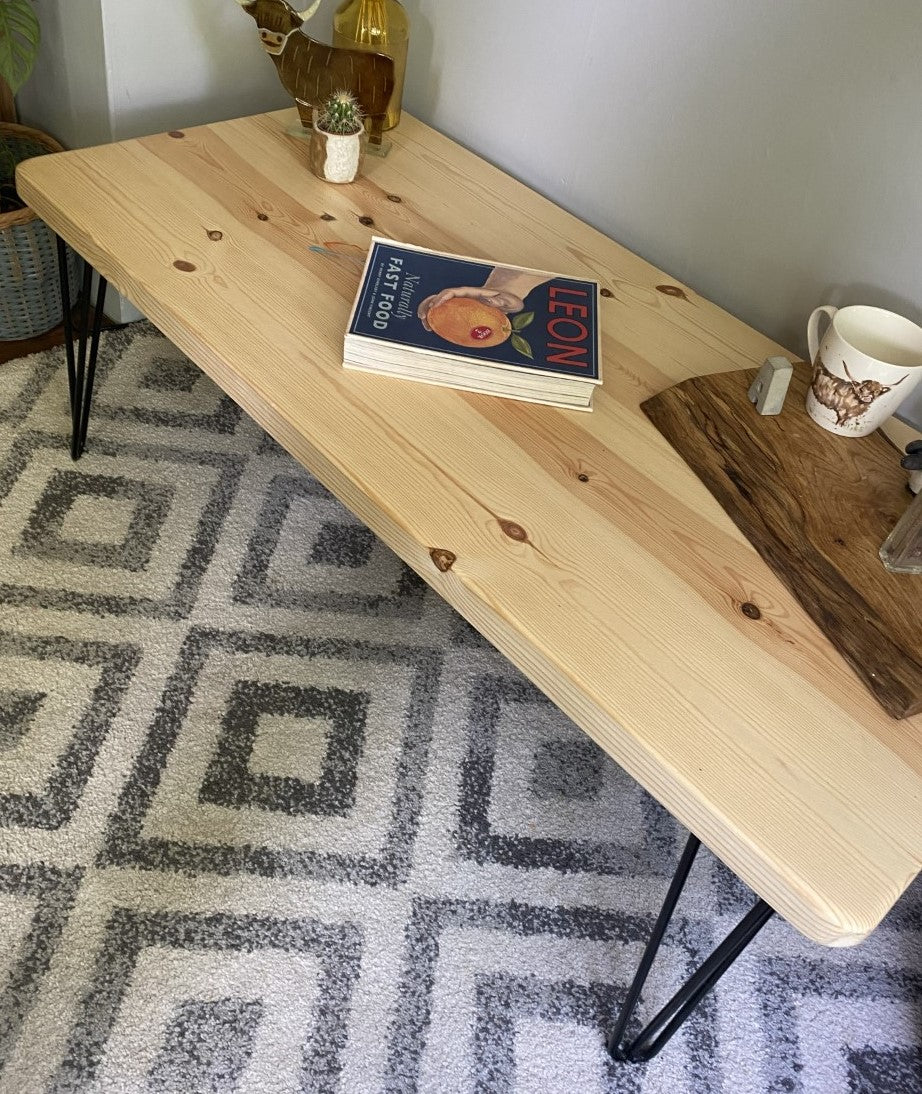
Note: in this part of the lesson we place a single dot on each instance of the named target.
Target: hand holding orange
(467, 321)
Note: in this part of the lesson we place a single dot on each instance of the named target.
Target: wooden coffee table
(580, 544)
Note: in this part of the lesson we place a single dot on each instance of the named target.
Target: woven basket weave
(30, 299)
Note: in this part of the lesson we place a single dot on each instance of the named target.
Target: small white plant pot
(337, 157)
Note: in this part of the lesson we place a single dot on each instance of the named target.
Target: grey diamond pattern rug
(274, 818)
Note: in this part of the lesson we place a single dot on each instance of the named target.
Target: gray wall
(111, 69)
(66, 95)
(766, 152)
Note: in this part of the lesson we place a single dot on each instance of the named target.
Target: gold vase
(378, 26)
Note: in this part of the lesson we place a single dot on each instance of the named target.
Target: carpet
(274, 818)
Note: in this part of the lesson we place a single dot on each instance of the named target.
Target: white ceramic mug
(866, 364)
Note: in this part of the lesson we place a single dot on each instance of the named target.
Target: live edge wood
(580, 544)
(816, 507)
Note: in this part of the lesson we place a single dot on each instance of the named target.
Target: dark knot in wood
(367, 221)
(327, 216)
(177, 133)
(181, 264)
(672, 290)
(514, 531)
(444, 560)
(215, 235)
(394, 197)
(583, 477)
(605, 292)
(750, 610)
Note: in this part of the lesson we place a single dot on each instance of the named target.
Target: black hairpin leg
(646, 1044)
(64, 277)
(81, 366)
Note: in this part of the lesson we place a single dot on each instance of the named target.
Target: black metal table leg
(64, 277)
(650, 1040)
(76, 405)
(81, 366)
(91, 364)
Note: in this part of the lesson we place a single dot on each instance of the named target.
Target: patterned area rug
(273, 818)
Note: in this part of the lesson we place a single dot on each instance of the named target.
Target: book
(492, 328)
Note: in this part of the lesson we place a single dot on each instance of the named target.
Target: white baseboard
(118, 309)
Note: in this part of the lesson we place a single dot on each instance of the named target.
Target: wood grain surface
(817, 507)
(580, 544)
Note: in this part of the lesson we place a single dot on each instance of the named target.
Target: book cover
(465, 308)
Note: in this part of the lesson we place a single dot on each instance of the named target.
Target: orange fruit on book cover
(469, 322)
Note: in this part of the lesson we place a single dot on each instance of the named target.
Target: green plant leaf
(522, 320)
(19, 40)
(519, 343)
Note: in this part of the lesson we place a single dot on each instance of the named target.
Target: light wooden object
(580, 544)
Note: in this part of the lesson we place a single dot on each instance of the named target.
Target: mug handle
(813, 329)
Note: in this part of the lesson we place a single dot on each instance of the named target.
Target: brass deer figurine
(311, 72)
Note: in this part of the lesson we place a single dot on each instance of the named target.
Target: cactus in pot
(341, 114)
(338, 140)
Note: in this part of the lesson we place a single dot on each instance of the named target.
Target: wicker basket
(30, 298)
